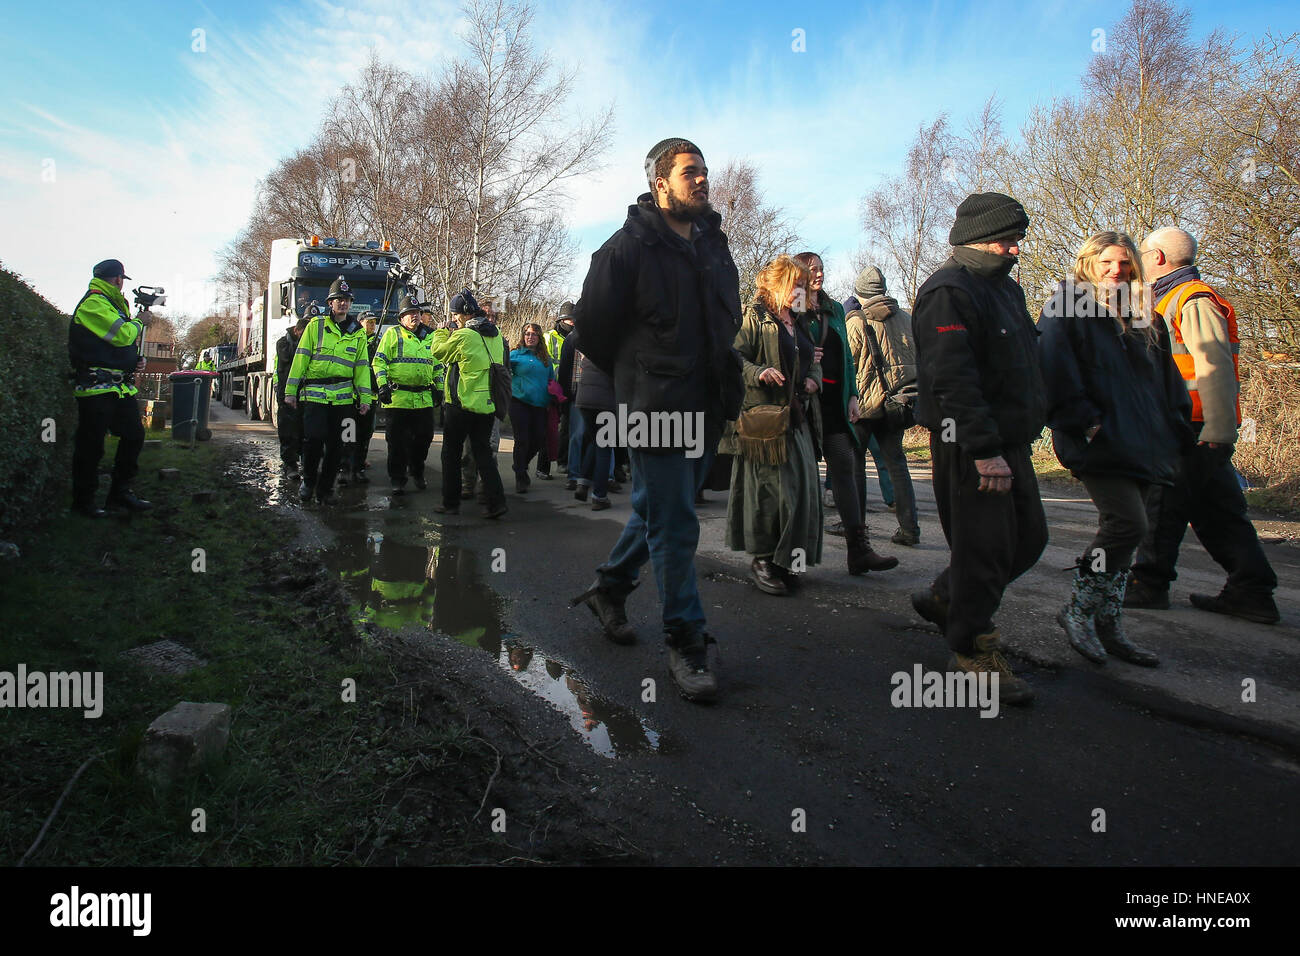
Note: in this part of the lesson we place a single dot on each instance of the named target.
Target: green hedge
(35, 475)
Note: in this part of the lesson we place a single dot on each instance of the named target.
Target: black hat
(661, 147)
(409, 305)
(368, 315)
(339, 289)
(566, 311)
(986, 216)
(109, 269)
(464, 303)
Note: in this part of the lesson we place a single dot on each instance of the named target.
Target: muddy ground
(804, 759)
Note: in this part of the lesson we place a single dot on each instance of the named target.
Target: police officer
(355, 465)
(331, 376)
(404, 372)
(289, 417)
(104, 346)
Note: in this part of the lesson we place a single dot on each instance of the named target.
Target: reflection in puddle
(392, 584)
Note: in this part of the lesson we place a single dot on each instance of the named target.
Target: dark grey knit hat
(658, 149)
(983, 217)
(870, 283)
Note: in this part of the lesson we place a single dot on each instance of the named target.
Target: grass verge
(308, 778)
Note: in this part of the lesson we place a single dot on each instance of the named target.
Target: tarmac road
(1111, 765)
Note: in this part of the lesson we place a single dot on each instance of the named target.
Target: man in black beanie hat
(982, 397)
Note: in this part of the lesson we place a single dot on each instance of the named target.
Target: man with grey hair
(1203, 331)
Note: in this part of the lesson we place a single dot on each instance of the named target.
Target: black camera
(147, 296)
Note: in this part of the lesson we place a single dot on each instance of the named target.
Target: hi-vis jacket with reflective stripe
(469, 353)
(103, 341)
(402, 360)
(554, 342)
(1203, 332)
(331, 367)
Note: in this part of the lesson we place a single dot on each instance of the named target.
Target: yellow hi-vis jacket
(402, 360)
(330, 366)
(103, 331)
(1203, 329)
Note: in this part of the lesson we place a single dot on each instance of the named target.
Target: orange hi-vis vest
(1179, 296)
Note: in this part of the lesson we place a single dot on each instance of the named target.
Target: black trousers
(1205, 494)
(846, 467)
(994, 538)
(97, 416)
(563, 459)
(365, 431)
(289, 428)
(529, 425)
(1121, 521)
(322, 431)
(459, 425)
(410, 432)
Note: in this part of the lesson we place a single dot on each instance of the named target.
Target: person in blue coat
(531, 372)
(1120, 418)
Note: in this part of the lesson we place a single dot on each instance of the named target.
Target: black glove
(386, 393)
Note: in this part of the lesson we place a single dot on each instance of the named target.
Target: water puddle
(400, 572)
(433, 584)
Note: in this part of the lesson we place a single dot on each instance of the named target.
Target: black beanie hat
(661, 147)
(985, 216)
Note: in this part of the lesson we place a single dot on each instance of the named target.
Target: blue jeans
(664, 530)
(576, 427)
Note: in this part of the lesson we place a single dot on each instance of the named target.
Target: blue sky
(132, 136)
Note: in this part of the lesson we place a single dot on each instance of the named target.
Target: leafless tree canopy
(756, 232)
(1166, 130)
(463, 172)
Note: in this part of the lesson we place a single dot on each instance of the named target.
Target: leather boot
(862, 557)
(128, 499)
(1086, 595)
(763, 573)
(1110, 625)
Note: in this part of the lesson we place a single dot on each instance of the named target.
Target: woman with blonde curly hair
(775, 510)
(1120, 417)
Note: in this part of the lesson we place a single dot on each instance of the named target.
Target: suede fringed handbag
(761, 430)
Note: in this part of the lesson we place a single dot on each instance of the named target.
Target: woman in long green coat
(775, 509)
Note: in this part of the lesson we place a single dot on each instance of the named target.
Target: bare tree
(508, 112)
(907, 218)
(756, 232)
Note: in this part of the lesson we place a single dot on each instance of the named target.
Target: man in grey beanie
(981, 395)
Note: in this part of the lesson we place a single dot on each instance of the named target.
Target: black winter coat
(661, 313)
(977, 356)
(1096, 374)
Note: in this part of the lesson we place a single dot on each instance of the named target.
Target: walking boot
(360, 478)
(88, 509)
(608, 606)
(929, 605)
(582, 491)
(906, 538)
(688, 663)
(128, 499)
(1260, 608)
(862, 557)
(521, 484)
(1076, 617)
(399, 486)
(1146, 596)
(420, 483)
(765, 574)
(1110, 625)
(306, 490)
(987, 658)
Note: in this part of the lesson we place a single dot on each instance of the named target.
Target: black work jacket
(660, 313)
(1122, 381)
(977, 360)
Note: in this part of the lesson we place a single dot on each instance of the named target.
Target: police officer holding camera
(104, 347)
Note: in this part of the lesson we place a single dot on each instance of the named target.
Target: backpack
(499, 382)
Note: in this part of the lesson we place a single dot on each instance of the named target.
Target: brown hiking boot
(988, 658)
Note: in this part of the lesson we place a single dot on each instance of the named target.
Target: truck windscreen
(366, 298)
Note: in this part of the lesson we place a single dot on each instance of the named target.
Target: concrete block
(169, 474)
(203, 497)
(182, 741)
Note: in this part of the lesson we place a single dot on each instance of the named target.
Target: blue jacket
(529, 377)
